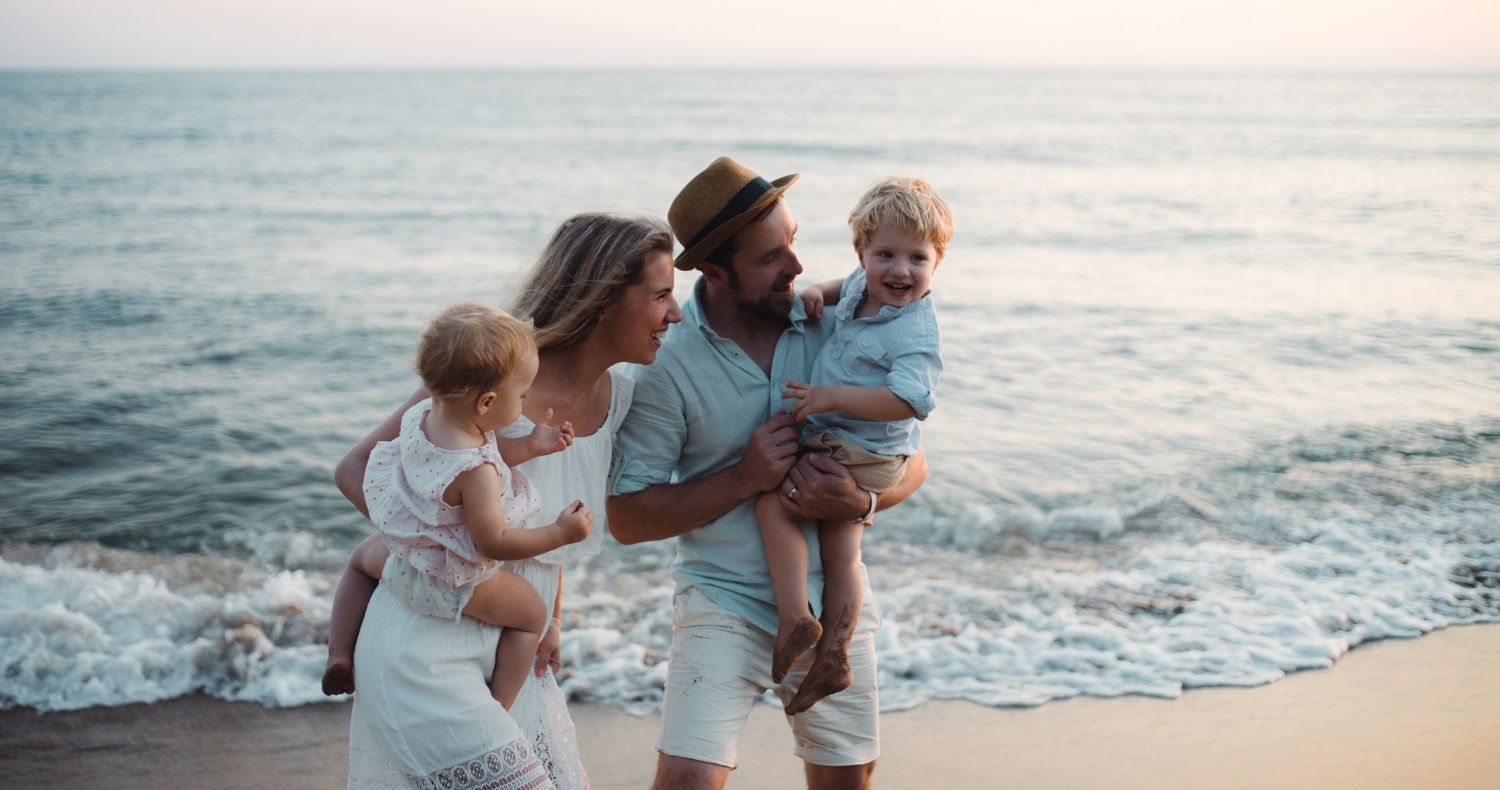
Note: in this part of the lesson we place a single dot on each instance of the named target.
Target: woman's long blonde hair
(588, 264)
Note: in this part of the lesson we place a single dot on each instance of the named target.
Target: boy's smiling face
(898, 265)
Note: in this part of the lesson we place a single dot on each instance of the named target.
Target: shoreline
(1390, 714)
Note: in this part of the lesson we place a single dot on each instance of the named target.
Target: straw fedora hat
(716, 204)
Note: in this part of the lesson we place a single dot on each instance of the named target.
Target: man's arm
(349, 475)
(666, 510)
(827, 492)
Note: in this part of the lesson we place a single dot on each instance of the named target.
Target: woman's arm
(349, 475)
(549, 650)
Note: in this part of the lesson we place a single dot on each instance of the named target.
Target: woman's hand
(549, 650)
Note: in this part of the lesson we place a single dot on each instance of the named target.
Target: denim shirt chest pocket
(864, 356)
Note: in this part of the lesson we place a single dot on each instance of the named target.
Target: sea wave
(1234, 576)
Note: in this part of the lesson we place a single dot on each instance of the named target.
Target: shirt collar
(692, 313)
(857, 293)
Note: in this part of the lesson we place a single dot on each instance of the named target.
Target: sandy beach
(1395, 714)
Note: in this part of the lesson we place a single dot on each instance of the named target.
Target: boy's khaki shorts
(874, 473)
(721, 664)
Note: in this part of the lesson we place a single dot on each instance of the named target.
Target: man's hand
(811, 400)
(549, 651)
(819, 488)
(770, 453)
(546, 438)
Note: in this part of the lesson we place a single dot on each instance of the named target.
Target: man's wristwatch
(869, 517)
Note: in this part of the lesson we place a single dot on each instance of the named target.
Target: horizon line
(1206, 69)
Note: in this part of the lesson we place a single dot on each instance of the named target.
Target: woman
(600, 295)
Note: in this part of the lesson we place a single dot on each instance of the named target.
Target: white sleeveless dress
(579, 472)
(423, 716)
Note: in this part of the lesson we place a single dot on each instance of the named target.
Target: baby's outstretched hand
(575, 521)
(812, 299)
(810, 400)
(547, 438)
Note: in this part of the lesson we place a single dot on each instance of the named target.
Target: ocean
(1222, 396)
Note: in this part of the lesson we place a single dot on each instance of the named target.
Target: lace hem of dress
(509, 767)
(541, 711)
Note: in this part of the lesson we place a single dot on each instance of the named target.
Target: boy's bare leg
(786, 555)
(843, 592)
(349, 604)
(509, 601)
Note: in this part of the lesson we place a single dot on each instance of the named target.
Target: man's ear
(485, 401)
(715, 274)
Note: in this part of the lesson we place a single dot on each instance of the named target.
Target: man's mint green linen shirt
(692, 415)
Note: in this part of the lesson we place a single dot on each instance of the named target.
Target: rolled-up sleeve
(651, 438)
(915, 369)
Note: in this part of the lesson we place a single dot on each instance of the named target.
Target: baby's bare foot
(792, 642)
(338, 676)
(829, 675)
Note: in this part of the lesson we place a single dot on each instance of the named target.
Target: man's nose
(794, 264)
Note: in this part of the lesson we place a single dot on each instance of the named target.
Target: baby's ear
(485, 400)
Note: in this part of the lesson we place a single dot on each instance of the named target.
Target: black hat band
(737, 205)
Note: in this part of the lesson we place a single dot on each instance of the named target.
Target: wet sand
(1395, 714)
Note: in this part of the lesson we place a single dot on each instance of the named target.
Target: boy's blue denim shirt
(896, 348)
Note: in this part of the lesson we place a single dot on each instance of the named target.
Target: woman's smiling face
(637, 321)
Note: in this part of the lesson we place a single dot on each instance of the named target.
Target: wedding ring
(792, 495)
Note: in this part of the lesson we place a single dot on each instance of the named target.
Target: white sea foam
(1231, 579)
(83, 627)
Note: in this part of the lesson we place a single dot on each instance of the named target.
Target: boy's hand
(810, 400)
(575, 522)
(812, 299)
(546, 438)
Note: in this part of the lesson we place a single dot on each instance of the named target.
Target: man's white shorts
(720, 666)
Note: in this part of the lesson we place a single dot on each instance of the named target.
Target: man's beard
(764, 308)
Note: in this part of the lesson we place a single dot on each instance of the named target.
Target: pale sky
(1337, 34)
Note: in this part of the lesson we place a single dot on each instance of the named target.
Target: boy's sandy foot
(791, 643)
(829, 675)
(338, 676)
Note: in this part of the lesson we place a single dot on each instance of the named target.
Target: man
(705, 435)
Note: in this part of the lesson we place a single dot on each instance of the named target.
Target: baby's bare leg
(509, 601)
(786, 555)
(843, 592)
(349, 604)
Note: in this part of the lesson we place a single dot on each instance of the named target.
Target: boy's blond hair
(470, 348)
(907, 203)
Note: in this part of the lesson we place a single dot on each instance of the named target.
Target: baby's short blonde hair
(907, 203)
(470, 348)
